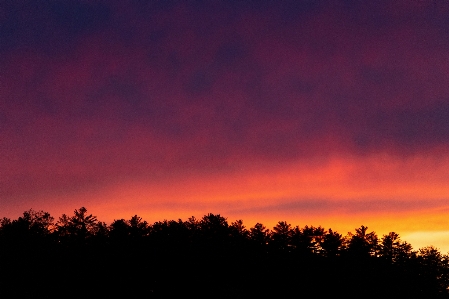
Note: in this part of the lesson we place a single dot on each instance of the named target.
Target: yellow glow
(249, 193)
(424, 238)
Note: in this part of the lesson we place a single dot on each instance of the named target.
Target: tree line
(210, 257)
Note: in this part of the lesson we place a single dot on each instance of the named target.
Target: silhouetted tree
(33, 226)
(160, 231)
(239, 234)
(332, 244)
(101, 233)
(78, 227)
(137, 227)
(214, 233)
(134, 257)
(214, 224)
(170, 236)
(362, 244)
(4, 225)
(393, 249)
(259, 235)
(237, 228)
(434, 271)
(281, 236)
(307, 241)
(119, 230)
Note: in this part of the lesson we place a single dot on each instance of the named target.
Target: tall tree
(259, 235)
(137, 227)
(307, 240)
(393, 249)
(434, 271)
(78, 227)
(362, 244)
(281, 236)
(332, 243)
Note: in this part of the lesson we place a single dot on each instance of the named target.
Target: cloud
(322, 207)
(92, 93)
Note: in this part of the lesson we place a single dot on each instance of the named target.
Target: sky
(331, 113)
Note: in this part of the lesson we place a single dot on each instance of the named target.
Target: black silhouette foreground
(81, 257)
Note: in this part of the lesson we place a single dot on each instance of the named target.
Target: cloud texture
(101, 94)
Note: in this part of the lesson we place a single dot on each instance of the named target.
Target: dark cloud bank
(95, 90)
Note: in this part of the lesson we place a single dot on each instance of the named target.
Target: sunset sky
(331, 113)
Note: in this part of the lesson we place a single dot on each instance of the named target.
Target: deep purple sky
(95, 94)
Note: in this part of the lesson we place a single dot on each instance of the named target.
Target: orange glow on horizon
(263, 194)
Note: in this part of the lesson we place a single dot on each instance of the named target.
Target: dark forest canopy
(210, 257)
